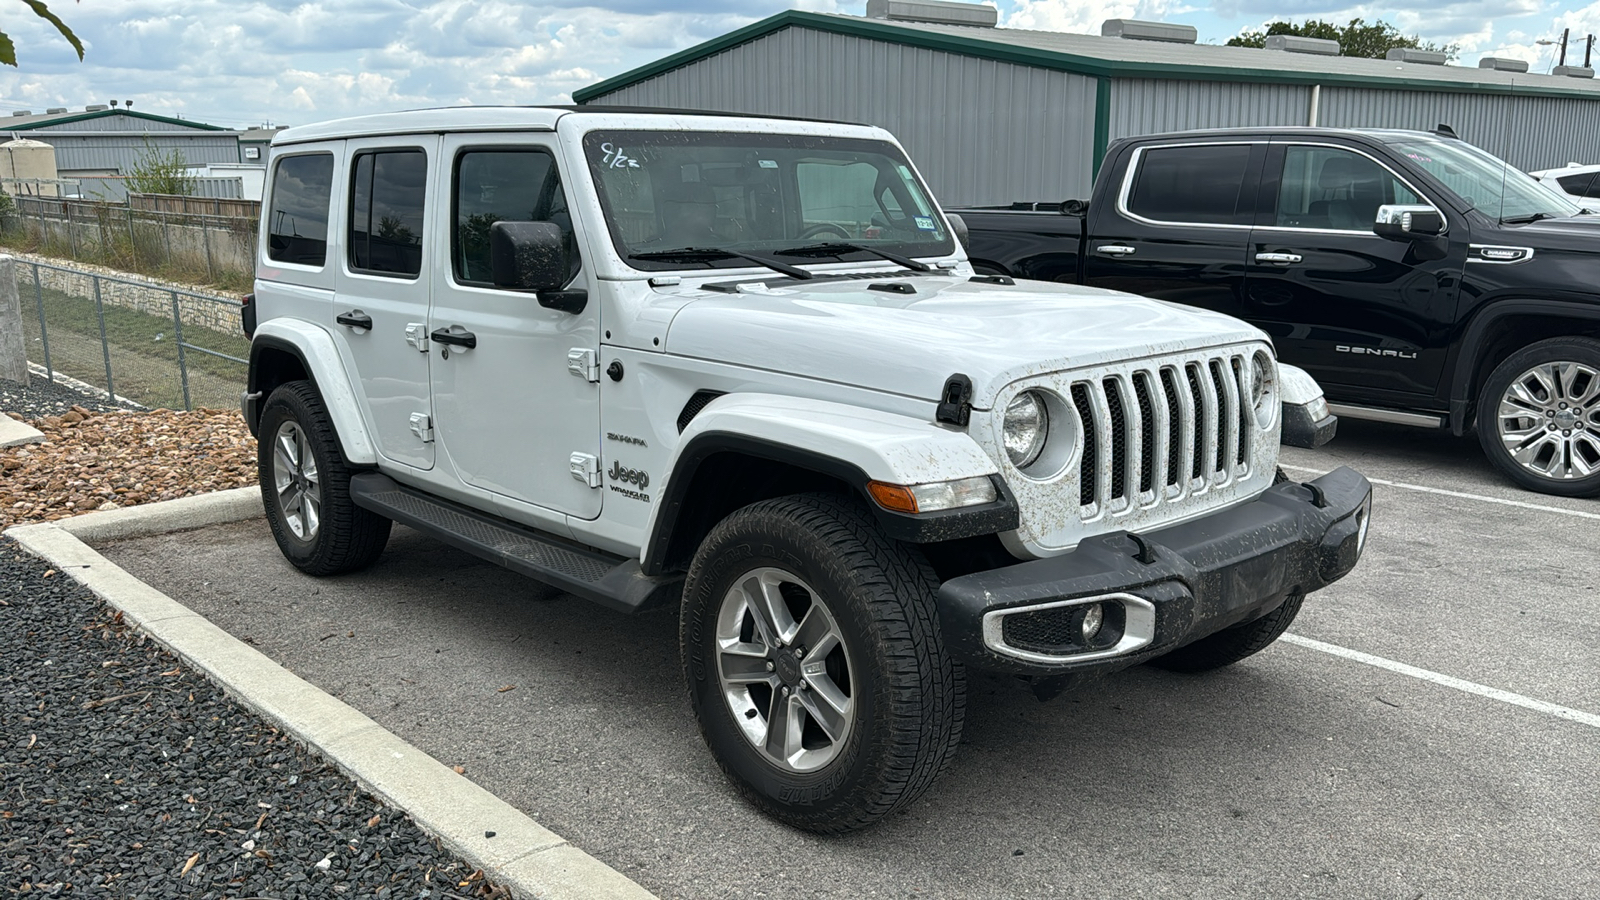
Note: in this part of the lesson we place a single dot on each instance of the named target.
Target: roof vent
(1135, 30)
(22, 112)
(1420, 57)
(1573, 71)
(934, 12)
(1290, 43)
(1503, 64)
(54, 110)
(96, 107)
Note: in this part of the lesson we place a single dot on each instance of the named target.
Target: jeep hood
(855, 331)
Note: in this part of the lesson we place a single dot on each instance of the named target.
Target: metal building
(993, 115)
(99, 144)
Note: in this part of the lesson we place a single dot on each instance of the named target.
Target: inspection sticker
(767, 163)
(924, 223)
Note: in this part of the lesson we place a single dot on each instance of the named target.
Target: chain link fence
(153, 344)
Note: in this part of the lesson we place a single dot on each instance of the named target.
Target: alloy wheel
(784, 670)
(1549, 420)
(295, 478)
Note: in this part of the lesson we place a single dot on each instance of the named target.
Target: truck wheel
(305, 487)
(815, 663)
(1230, 645)
(1539, 417)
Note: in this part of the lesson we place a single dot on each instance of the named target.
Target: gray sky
(241, 63)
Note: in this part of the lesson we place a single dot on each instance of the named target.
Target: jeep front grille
(1161, 432)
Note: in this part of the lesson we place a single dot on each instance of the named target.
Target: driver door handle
(1278, 259)
(455, 338)
(354, 319)
(1115, 249)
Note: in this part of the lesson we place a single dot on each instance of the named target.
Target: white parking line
(1449, 681)
(1433, 490)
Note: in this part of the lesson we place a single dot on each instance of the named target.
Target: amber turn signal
(894, 497)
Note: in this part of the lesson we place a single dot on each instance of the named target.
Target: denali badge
(1374, 351)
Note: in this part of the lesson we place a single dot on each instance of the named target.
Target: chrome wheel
(784, 670)
(1549, 420)
(295, 478)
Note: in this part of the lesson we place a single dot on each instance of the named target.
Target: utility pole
(1565, 32)
(1588, 50)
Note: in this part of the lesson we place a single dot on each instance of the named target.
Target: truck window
(297, 220)
(502, 186)
(386, 197)
(1325, 187)
(1579, 185)
(1198, 185)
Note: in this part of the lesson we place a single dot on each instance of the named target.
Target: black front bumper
(1167, 587)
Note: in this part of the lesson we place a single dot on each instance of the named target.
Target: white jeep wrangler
(742, 365)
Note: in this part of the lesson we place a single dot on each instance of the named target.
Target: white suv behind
(742, 365)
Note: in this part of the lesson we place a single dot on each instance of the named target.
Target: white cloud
(1083, 17)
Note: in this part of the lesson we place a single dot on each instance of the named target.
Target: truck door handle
(456, 338)
(1278, 259)
(354, 319)
(1115, 249)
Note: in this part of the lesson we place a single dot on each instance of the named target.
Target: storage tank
(29, 167)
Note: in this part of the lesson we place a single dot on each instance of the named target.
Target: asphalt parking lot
(1429, 729)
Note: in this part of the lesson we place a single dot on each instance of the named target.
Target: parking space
(1296, 773)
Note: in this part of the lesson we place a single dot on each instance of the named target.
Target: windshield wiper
(694, 254)
(1529, 218)
(838, 248)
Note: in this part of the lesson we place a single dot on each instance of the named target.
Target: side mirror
(533, 256)
(1078, 209)
(1404, 222)
(958, 225)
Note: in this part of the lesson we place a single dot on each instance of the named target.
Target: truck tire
(815, 663)
(1539, 417)
(305, 487)
(1230, 645)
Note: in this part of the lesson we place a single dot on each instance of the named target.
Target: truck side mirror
(533, 256)
(1407, 221)
(958, 225)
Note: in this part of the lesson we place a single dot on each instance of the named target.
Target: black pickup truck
(1419, 279)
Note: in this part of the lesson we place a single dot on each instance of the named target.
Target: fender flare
(319, 357)
(851, 444)
(1477, 332)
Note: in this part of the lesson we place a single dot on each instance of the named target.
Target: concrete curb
(530, 860)
(15, 434)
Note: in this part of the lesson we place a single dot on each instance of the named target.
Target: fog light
(1093, 617)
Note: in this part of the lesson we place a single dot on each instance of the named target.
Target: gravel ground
(96, 456)
(40, 397)
(126, 775)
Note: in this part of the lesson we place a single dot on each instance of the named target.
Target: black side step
(608, 580)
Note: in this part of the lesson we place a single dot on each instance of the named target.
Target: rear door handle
(455, 338)
(1278, 259)
(354, 319)
(1115, 249)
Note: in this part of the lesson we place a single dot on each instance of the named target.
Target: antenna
(1446, 131)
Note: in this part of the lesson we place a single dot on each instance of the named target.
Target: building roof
(259, 135)
(44, 120)
(1097, 56)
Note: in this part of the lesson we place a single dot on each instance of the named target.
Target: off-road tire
(1230, 645)
(1584, 351)
(910, 699)
(347, 538)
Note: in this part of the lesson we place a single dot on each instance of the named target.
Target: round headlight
(1024, 428)
(1263, 387)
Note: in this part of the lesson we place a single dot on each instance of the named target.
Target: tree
(8, 50)
(157, 172)
(1359, 38)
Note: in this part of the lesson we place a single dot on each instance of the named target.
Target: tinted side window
(386, 194)
(297, 220)
(503, 186)
(1578, 185)
(1191, 184)
(1324, 187)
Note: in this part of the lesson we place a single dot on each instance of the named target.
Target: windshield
(757, 194)
(1489, 185)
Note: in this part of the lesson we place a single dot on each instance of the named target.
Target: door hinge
(584, 364)
(422, 427)
(417, 335)
(585, 467)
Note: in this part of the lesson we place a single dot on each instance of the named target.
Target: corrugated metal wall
(981, 132)
(1151, 106)
(120, 152)
(1529, 132)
